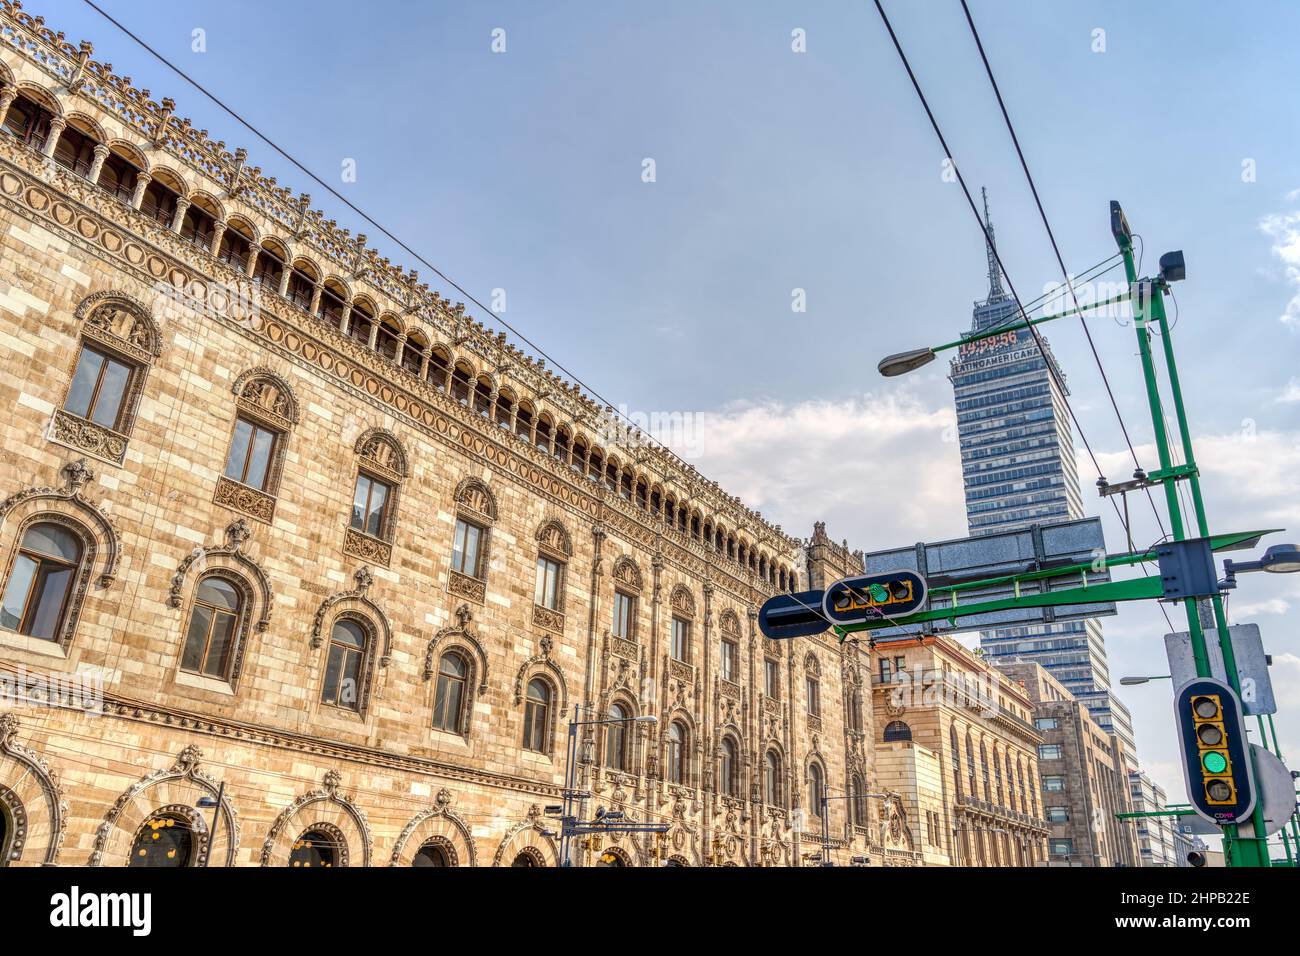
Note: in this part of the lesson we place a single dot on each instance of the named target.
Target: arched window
(483, 396)
(236, 242)
(159, 202)
(855, 711)
(616, 739)
(333, 298)
(388, 337)
(270, 267)
(814, 694)
(265, 411)
(970, 766)
(526, 858)
(772, 779)
(40, 582)
(198, 225)
(117, 177)
(537, 716)
(316, 848)
(897, 730)
(729, 769)
(439, 368)
(164, 840)
(449, 697)
(302, 287)
(816, 789)
(461, 383)
(214, 628)
(345, 663)
(956, 757)
(28, 122)
(361, 322)
(381, 469)
(433, 853)
(984, 770)
(524, 421)
(858, 801)
(677, 738)
(75, 151)
(505, 409)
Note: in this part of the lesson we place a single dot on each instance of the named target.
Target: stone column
(347, 315)
(7, 100)
(97, 165)
(218, 230)
(374, 335)
(57, 125)
(315, 299)
(182, 205)
(142, 181)
(284, 280)
(252, 259)
(424, 363)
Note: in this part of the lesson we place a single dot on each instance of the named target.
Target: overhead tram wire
(970, 201)
(352, 206)
(1056, 249)
(1060, 261)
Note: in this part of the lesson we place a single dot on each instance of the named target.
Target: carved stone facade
(458, 424)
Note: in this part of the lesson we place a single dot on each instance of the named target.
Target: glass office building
(1018, 465)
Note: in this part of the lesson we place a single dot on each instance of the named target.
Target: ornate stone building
(1085, 779)
(279, 522)
(956, 750)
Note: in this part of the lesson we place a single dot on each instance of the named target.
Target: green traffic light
(879, 593)
(1215, 762)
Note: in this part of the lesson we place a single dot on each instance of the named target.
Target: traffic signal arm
(1136, 589)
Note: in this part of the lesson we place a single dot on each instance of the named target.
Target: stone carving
(381, 451)
(363, 546)
(266, 395)
(475, 496)
(47, 780)
(548, 619)
(681, 601)
(554, 538)
(467, 587)
(239, 497)
(186, 768)
(627, 573)
(328, 793)
(91, 437)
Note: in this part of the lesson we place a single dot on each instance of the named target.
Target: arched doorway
(528, 856)
(434, 852)
(320, 846)
(166, 838)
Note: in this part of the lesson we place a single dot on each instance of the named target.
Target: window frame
(237, 628)
(363, 656)
(75, 571)
(538, 717)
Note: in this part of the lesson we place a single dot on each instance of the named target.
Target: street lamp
(902, 362)
(1279, 559)
(1134, 681)
(215, 804)
(570, 760)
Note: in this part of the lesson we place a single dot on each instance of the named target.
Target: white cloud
(1291, 393)
(880, 469)
(1284, 231)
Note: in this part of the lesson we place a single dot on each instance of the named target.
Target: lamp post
(204, 803)
(826, 831)
(568, 821)
(1135, 681)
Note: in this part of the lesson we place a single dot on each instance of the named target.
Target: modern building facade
(1159, 842)
(1018, 467)
(1083, 775)
(279, 522)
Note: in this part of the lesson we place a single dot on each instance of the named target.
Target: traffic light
(892, 594)
(1216, 759)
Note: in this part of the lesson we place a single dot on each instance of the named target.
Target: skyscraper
(1017, 455)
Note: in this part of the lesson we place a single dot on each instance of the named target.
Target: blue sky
(778, 171)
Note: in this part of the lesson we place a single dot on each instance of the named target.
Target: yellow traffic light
(1212, 745)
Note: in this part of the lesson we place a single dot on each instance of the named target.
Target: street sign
(951, 568)
(1216, 757)
(792, 615)
(886, 594)
(1276, 789)
(1252, 665)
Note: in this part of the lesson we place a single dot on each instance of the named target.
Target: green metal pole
(1145, 307)
(1251, 850)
